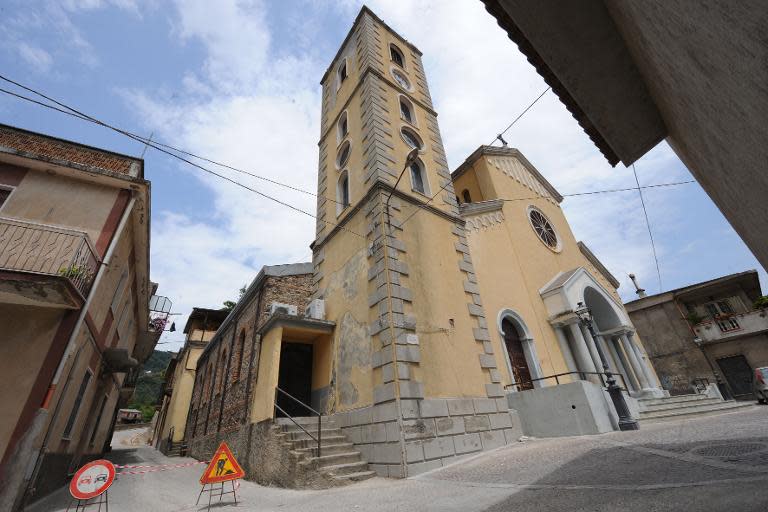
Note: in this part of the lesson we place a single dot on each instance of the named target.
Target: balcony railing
(48, 250)
(732, 326)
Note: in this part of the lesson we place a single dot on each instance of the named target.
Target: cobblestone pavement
(710, 463)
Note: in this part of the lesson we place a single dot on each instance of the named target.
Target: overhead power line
(498, 137)
(76, 113)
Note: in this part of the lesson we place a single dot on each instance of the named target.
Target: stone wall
(428, 434)
(264, 458)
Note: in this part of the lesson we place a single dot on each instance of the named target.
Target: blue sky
(238, 82)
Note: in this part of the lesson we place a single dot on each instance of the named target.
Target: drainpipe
(34, 469)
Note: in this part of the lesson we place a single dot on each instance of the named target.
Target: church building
(437, 300)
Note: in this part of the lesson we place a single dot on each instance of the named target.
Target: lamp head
(412, 156)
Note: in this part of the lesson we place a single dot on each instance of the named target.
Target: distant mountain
(149, 387)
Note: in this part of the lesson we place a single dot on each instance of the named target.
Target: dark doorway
(516, 355)
(295, 378)
(738, 373)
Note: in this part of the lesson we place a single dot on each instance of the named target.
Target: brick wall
(227, 372)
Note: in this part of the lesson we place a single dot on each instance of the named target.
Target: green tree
(230, 305)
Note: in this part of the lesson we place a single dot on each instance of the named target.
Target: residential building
(429, 316)
(636, 73)
(74, 304)
(170, 428)
(705, 332)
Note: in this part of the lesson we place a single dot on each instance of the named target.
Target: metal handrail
(319, 437)
(581, 374)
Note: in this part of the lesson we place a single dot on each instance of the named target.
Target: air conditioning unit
(283, 309)
(315, 309)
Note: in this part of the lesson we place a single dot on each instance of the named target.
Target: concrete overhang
(298, 328)
(38, 290)
(578, 50)
(118, 360)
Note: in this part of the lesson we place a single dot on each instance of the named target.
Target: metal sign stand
(220, 490)
(81, 504)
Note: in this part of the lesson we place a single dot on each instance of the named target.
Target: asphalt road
(710, 463)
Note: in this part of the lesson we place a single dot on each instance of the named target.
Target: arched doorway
(517, 360)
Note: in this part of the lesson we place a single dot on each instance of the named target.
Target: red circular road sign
(92, 479)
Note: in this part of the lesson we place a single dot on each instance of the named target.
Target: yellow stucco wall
(269, 366)
(183, 383)
(511, 262)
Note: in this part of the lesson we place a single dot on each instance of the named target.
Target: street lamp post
(409, 159)
(626, 421)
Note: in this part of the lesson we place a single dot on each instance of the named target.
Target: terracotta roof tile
(47, 148)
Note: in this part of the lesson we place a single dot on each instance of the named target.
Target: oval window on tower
(401, 80)
(410, 138)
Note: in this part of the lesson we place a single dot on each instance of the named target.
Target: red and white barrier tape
(153, 469)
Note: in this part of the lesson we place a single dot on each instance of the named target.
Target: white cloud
(36, 57)
(249, 107)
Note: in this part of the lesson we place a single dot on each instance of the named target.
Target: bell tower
(411, 340)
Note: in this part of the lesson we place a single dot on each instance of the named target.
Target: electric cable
(648, 224)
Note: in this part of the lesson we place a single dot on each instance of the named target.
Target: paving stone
(449, 426)
(484, 405)
(476, 423)
(414, 451)
(418, 429)
(467, 443)
(460, 406)
(492, 439)
(439, 447)
(430, 408)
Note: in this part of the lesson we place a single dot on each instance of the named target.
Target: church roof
(504, 151)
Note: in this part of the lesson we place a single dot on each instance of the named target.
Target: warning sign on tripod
(222, 468)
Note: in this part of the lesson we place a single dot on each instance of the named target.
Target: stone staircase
(178, 449)
(339, 460)
(674, 407)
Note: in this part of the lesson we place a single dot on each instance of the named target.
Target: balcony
(45, 265)
(734, 326)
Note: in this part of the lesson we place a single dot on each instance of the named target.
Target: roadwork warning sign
(223, 467)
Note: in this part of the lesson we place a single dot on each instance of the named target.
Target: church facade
(441, 293)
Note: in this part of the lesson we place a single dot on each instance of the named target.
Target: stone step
(304, 421)
(692, 411)
(346, 468)
(300, 435)
(356, 477)
(334, 459)
(311, 443)
(671, 399)
(681, 405)
(329, 449)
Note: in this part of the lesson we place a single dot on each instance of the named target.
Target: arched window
(342, 192)
(343, 155)
(342, 125)
(406, 111)
(396, 55)
(342, 71)
(411, 138)
(239, 359)
(466, 196)
(418, 180)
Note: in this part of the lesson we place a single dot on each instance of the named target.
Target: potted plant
(75, 272)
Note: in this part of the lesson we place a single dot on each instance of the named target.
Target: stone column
(570, 363)
(592, 348)
(636, 366)
(586, 364)
(644, 364)
(623, 365)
